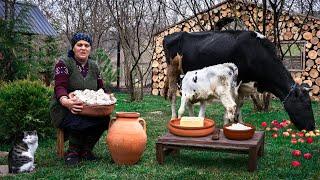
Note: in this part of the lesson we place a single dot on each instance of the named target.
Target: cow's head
(298, 106)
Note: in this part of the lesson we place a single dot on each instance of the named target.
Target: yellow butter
(192, 121)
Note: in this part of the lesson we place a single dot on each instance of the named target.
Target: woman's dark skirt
(78, 123)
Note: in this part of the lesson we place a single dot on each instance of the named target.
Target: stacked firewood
(311, 74)
(293, 28)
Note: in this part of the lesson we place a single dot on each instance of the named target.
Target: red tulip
(307, 155)
(301, 134)
(286, 133)
(279, 126)
(264, 124)
(296, 153)
(309, 140)
(295, 163)
(283, 124)
(274, 135)
(294, 141)
(274, 122)
(301, 140)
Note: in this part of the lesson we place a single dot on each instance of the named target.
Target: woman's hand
(72, 103)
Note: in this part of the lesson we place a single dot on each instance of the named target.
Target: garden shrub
(106, 69)
(24, 105)
(2, 83)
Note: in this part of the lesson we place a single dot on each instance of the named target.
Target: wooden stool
(170, 143)
(60, 143)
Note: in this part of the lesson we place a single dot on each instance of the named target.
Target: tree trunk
(126, 62)
(131, 88)
(140, 87)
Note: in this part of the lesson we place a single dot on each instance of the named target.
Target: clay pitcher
(126, 138)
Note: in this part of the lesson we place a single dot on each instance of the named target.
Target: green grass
(275, 164)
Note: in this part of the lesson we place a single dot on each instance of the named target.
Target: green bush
(24, 105)
(2, 83)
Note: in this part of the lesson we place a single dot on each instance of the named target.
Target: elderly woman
(77, 72)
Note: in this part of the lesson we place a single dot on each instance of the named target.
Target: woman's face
(82, 50)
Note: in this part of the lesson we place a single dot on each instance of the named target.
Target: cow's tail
(166, 88)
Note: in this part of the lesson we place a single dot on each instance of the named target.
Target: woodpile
(293, 28)
(311, 75)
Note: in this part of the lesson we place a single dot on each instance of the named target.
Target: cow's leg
(230, 108)
(239, 102)
(172, 94)
(182, 108)
(202, 111)
(190, 109)
(173, 107)
(245, 89)
(174, 71)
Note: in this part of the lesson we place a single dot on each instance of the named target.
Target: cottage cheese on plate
(238, 126)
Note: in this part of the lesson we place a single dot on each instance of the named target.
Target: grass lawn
(275, 164)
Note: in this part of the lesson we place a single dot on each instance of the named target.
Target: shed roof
(35, 20)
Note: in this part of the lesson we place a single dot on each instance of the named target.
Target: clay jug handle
(112, 120)
(143, 124)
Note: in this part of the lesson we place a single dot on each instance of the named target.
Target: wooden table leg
(160, 153)
(252, 165)
(261, 148)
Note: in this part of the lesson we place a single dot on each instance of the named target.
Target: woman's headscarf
(77, 37)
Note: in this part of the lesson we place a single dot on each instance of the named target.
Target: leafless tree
(136, 22)
(178, 10)
(70, 16)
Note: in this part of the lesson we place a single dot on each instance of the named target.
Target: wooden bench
(170, 143)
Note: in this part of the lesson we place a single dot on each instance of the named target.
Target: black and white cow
(253, 54)
(210, 83)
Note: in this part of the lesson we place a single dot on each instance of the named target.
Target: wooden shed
(299, 36)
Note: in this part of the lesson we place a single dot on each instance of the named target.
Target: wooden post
(60, 143)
